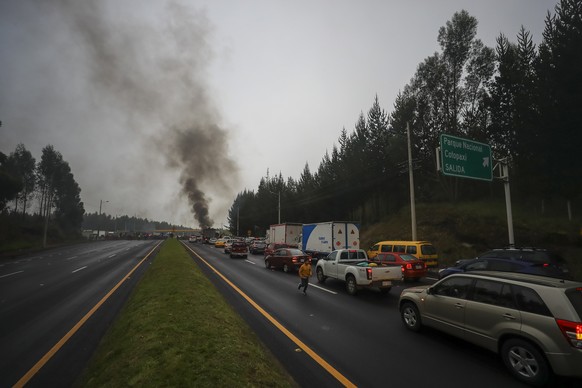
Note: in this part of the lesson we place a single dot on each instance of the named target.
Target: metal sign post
(504, 176)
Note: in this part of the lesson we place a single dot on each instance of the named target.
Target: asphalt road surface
(328, 338)
(56, 305)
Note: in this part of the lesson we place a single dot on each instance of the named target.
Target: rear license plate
(418, 266)
(385, 283)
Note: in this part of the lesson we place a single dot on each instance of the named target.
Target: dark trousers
(304, 284)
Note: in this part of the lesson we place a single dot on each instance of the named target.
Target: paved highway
(328, 338)
(55, 307)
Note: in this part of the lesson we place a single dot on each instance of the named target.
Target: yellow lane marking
(324, 364)
(42, 362)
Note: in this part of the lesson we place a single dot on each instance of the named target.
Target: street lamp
(279, 207)
(99, 219)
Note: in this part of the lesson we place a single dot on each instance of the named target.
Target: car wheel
(286, 268)
(351, 285)
(267, 264)
(526, 362)
(320, 276)
(410, 316)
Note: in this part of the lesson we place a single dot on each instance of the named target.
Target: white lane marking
(10, 274)
(113, 255)
(323, 289)
(252, 262)
(79, 269)
(71, 258)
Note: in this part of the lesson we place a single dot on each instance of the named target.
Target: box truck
(287, 233)
(322, 238)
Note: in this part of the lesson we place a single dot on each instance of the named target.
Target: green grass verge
(177, 330)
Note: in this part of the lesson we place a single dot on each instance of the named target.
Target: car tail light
(572, 331)
(403, 269)
(294, 259)
(369, 273)
(408, 266)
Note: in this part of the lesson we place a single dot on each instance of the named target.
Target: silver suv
(533, 322)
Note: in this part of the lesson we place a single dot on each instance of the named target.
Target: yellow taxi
(220, 243)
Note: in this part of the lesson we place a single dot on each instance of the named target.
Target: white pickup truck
(353, 267)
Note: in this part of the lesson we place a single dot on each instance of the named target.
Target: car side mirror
(429, 290)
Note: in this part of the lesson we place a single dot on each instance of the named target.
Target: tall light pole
(279, 206)
(237, 220)
(99, 219)
(411, 183)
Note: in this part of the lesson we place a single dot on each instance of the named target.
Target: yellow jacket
(305, 270)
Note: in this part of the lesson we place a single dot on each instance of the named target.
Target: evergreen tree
(560, 82)
(22, 165)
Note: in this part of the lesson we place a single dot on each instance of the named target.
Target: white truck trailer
(320, 239)
(287, 233)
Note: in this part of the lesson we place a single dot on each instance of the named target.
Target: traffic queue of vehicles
(520, 303)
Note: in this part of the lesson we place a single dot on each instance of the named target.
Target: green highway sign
(466, 158)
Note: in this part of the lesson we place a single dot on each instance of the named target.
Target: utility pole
(411, 182)
(99, 219)
(279, 206)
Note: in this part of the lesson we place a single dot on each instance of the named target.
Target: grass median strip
(177, 330)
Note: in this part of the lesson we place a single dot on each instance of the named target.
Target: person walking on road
(304, 273)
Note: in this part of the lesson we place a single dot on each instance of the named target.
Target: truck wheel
(267, 264)
(526, 362)
(286, 268)
(351, 285)
(410, 316)
(320, 276)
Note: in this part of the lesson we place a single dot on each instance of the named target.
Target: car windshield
(408, 257)
(295, 252)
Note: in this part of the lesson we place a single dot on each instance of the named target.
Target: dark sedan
(505, 265)
(289, 259)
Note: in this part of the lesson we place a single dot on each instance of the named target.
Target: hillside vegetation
(463, 230)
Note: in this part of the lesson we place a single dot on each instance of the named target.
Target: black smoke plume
(156, 74)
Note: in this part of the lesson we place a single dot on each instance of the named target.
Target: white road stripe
(252, 262)
(78, 269)
(323, 289)
(71, 258)
(10, 274)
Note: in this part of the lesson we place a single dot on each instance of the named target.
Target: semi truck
(207, 234)
(320, 239)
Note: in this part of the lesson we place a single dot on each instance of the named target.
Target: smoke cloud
(153, 77)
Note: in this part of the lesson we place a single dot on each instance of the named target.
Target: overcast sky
(161, 107)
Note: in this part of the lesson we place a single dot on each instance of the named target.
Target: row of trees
(34, 195)
(521, 99)
(124, 225)
(48, 184)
